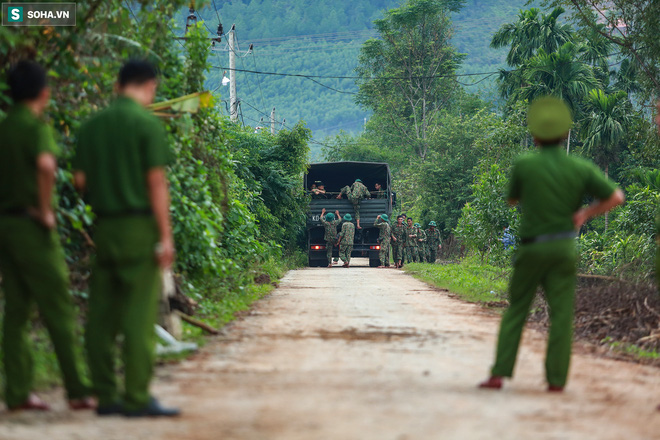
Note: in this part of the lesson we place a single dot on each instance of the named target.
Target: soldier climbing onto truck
(356, 193)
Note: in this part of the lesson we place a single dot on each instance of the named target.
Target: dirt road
(370, 354)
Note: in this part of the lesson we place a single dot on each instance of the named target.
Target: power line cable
(254, 60)
(453, 75)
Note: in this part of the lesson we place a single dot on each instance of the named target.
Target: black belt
(16, 212)
(549, 237)
(125, 213)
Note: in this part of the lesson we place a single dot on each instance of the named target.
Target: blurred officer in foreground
(31, 258)
(383, 224)
(330, 223)
(550, 186)
(120, 163)
(657, 236)
(345, 240)
(657, 223)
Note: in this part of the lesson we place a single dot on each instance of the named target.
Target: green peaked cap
(348, 217)
(549, 118)
(384, 217)
(329, 216)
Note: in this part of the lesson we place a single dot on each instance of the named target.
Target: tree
(531, 32)
(606, 121)
(632, 25)
(607, 118)
(407, 75)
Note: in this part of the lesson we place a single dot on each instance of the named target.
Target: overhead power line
(451, 75)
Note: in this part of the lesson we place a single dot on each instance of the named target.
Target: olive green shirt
(115, 149)
(23, 138)
(551, 187)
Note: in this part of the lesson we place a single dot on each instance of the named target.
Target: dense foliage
(324, 38)
(237, 202)
(461, 181)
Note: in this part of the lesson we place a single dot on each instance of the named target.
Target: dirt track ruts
(370, 354)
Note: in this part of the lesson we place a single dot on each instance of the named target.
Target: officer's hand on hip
(165, 253)
(46, 218)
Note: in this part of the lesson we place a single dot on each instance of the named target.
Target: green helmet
(384, 218)
(432, 224)
(417, 225)
(348, 217)
(329, 216)
(549, 118)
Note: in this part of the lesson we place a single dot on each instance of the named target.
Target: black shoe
(153, 409)
(110, 410)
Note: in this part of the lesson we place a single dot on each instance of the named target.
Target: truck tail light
(374, 248)
(317, 247)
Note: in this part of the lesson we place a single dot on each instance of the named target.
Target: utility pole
(233, 105)
(272, 121)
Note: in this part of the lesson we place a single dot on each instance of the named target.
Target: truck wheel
(374, 262)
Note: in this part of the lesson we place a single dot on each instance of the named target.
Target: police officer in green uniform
(330, 226)
(120, 164)
(550, 186)
(31, 258)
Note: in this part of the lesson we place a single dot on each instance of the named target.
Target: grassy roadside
(469, 279)
(481, 283)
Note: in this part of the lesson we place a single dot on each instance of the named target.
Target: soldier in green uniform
(345, 240)
(120, 164)
(330, 225)
(399, 236)
(420, 243)
(31, 258)
(318, 190)
(411, 239)
(355, 193)
(550, 186)
(384, 239)
(433, 242)
(380, 193)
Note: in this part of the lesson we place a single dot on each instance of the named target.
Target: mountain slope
(323, 37)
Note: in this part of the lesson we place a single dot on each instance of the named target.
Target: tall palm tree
(532, 31)
(559, 74)
(606, 121)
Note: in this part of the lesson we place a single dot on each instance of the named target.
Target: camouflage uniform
(421, 244)
(346, 237)
(381, 194)
(411, 247)
(355, 194)
(330, 235)
(399, 246)
(384, 240)
(433, 240)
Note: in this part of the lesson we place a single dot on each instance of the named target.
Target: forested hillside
(323, 38)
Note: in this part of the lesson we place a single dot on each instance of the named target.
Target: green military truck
(336, 175)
